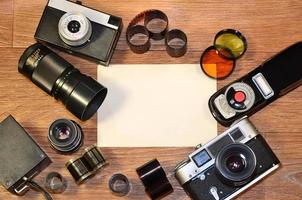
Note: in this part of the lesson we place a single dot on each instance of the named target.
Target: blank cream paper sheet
(158, 105)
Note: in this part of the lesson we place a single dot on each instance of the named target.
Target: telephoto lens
(81, 94)
(65, 136)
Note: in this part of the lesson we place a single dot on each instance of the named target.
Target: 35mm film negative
(134, 28)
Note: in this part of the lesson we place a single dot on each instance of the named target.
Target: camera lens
(236, 164)
(81, 94)
(65, 136)
(74, 26)
(74, 29)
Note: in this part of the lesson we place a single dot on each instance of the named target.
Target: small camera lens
(236, 163)
(65, 136)
(74, 26)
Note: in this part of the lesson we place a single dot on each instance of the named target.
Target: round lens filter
(230, 43)
(214, 65)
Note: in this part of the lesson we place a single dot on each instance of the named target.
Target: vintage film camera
(79, 30)
(247, 95)
(227, 165)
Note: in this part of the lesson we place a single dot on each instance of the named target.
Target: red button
(239, 96)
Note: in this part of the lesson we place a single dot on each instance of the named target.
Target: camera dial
(240, 96)
(74, 29)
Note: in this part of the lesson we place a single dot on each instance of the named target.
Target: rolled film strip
(86, 166)
(179, 50)
(55, 183)
(154, 180)
(134, 28)
(119, 184)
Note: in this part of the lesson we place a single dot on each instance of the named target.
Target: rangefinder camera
(79, 30)
(247, 95)
(227, 165)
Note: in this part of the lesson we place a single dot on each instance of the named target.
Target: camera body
(227, 165)
(79, 30)
(247, 95)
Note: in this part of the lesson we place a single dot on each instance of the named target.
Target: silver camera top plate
(91, 14)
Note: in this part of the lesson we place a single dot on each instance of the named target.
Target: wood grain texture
(269, 27)
(6, 23)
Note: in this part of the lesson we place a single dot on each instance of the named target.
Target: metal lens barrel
(81, 94)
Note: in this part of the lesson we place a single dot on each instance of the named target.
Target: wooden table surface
(269, 27)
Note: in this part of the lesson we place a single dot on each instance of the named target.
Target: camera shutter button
(239, 96)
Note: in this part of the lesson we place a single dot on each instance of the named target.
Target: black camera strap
(35, 186)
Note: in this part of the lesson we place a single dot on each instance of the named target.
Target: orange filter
(214, 65)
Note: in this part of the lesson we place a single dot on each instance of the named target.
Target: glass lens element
(215, 65)
(236, 163)
(63, 133)
(230, 43)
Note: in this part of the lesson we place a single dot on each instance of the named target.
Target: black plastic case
(20, 157)
(282, 72)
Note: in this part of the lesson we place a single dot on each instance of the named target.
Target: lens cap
(230, 43)
(214, 65)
